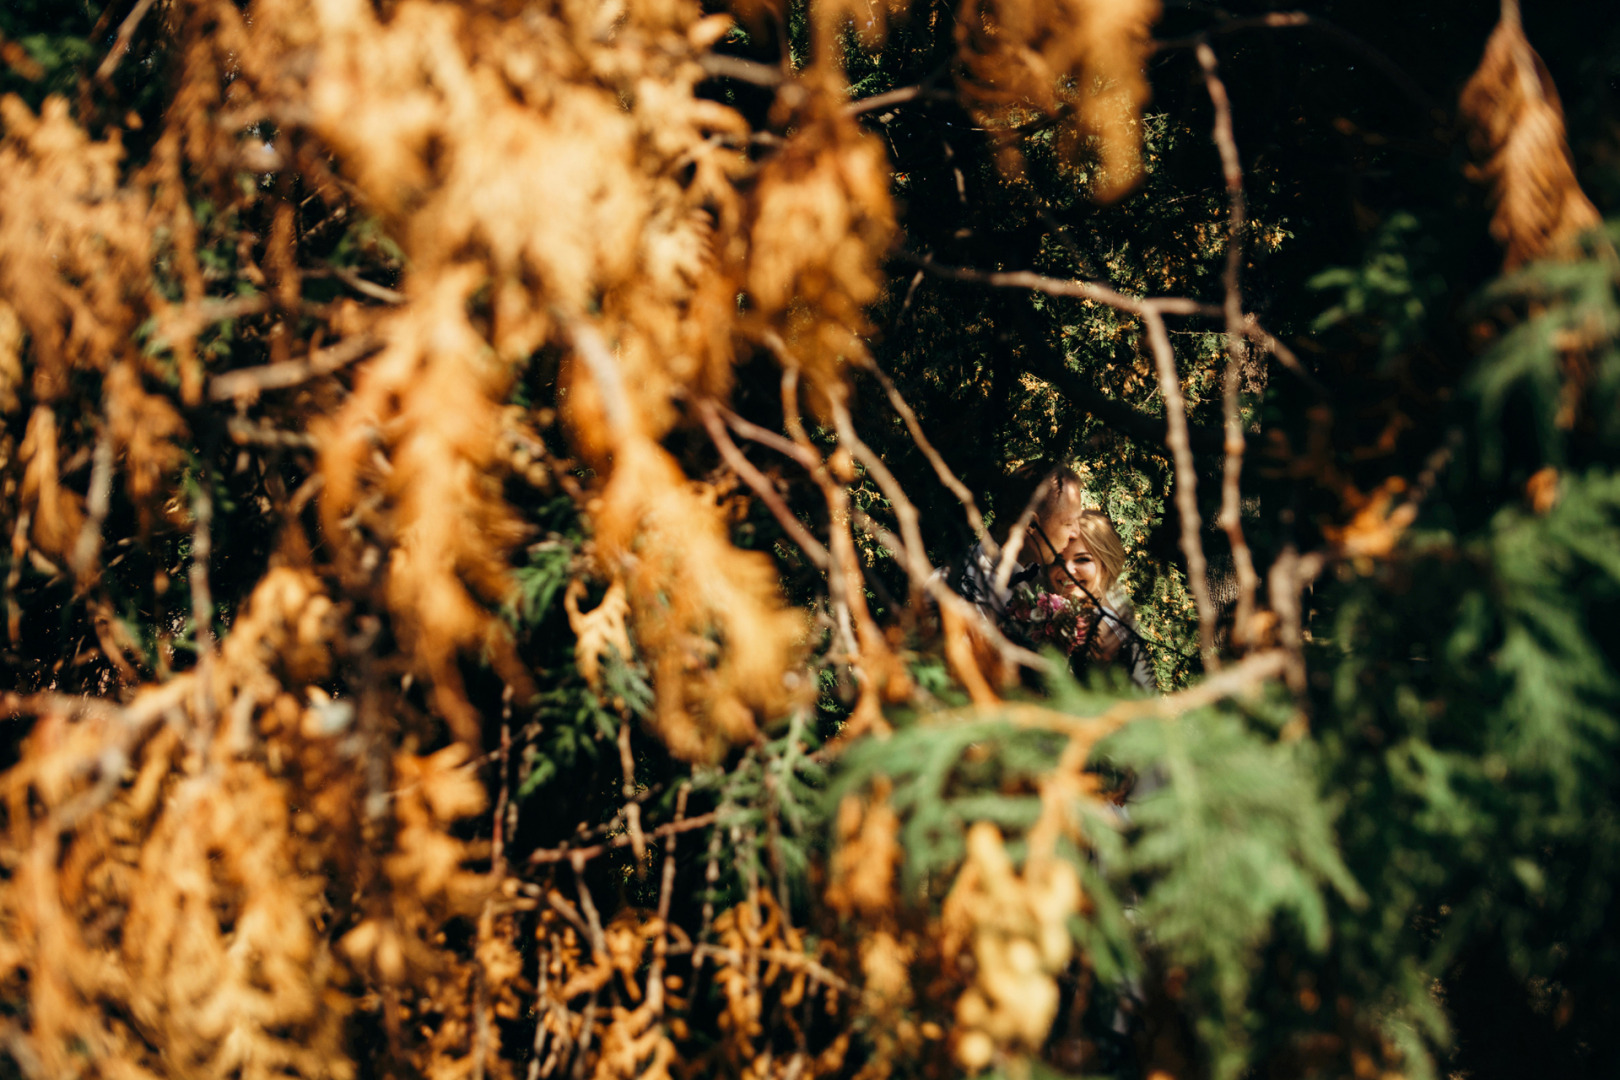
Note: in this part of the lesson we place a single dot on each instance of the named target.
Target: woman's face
(1077, 572)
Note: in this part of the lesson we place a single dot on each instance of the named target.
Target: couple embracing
(1054, 583)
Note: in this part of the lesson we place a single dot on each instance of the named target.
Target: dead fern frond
(1517, 128)
(1076, 64)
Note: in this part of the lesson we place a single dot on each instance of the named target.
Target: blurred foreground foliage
(472, 475)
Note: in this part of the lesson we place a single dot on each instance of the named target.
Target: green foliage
(1234, 835)
(1564, 347)
(1393, 293)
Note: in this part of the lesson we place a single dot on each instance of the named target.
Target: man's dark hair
(1037, 485)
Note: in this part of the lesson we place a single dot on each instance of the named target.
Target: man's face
(1060, 525)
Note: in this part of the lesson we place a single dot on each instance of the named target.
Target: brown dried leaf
(1022, 57)
(1517, 127)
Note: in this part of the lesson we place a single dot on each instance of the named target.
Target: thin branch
(898, 96)
(1175, 408)
(1243, 677)
(711, 878)
(215, 310)
(1046, 364)
(913, 552)
(244, 432)
(786, 957)
(721, 66)
(252, 381)
(97, 503)
(942, 470)
(1287, 20)
(666, 893)
(544, 856)
(866, 649)
(632, 808)
(1288, 577)
(761, 485)
(351, 277)
(126, 34)
(1080, 289)
(604, 368)
(808, 459)
(1263, 338)
(1231, 515)
(948, 600)
(202, 596)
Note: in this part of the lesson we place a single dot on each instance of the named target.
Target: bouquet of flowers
(1045, 618)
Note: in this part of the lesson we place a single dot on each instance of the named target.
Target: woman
(1086, 574)
(1051, 510)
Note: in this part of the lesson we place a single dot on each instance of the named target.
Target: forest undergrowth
(475, 473)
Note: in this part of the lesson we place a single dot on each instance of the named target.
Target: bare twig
(126, 34)
(711, 876)
(1015, 538)
(789, 959)
(898, 96)
(666, 893)
(807, 458)
(351, 277)
(1231, 515)
(215, 310)
(1290, 574)
(96, 505)
(604, 369)
(1284, 20)
(566, 854)
(1079, 289)
(244, 432)
(722, 66)
(632, 808)
(202, 597)
(1116, 414)
(942, 470)
(1192, 545)
(761, 485)
(912, 551)
(1242, 677)
(867, 651)
(948, 600)
(1261, 337)
(503, 797)
(249, 382)
(19, 552)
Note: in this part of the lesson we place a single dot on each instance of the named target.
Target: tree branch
(1049, 365)
(1175, 408)
(543, 856)
(1285, 20)
(761, 485)
(1231, 515)
(252, 381)
(126, 34)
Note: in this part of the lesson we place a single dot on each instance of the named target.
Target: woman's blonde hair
(1103, 541)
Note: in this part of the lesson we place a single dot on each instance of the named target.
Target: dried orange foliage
(76, 281)
(1518, 128)
(1080, 63)
(212, 874)
(174, 905)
